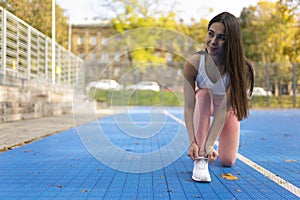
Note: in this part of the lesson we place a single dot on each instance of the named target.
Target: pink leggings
(230, 135)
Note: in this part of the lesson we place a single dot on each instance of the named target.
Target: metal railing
(26, 54)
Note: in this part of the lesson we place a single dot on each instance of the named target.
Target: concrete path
(18, 133)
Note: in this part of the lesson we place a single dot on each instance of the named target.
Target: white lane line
(280, 181)
(174, 117)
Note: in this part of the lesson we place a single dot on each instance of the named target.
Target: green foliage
(142, 14)
(38, 14)
(268, 30)
(270, 34)
(169, 98)
(142, 98)
(274, 102)
(198, 30)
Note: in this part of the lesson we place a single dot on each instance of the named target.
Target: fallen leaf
(229, 176)
(238, 190)
(290, 160)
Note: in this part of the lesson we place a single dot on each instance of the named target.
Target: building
(105, 55)
(86, 35)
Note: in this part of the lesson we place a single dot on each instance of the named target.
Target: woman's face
(215, 39)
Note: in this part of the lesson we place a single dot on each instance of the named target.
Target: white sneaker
(200, 171)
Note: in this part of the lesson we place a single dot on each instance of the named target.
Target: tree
(269, 36)
(38, 14)
(139, 14)
(198, 30)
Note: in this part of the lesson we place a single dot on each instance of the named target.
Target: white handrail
(27, 53)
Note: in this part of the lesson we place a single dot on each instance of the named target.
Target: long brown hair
(236, 65)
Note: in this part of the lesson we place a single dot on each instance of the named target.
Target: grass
(284, 101)
(170, 98)
(142, 98)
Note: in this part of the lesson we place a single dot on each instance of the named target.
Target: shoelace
(202, 163)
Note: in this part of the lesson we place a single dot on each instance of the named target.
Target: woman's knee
(227, 162)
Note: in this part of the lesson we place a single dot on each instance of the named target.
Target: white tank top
(203, 80)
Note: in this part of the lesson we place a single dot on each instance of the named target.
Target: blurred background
(47, 51)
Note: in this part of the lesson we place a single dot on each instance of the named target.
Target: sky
(80, 10)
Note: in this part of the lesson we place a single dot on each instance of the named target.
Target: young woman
(224, 81)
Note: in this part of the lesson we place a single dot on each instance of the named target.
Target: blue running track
(64, 166)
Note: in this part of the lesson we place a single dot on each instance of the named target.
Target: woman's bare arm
(190, 72)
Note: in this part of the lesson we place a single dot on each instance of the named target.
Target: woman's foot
(200, 171)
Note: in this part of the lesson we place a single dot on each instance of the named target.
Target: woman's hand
(212, 156)
(193, 152)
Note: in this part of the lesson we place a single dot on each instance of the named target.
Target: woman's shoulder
(195, 58)
(199, 53)
(192, 65)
